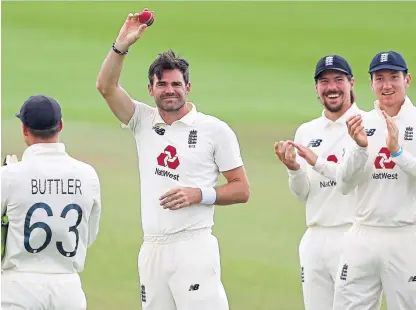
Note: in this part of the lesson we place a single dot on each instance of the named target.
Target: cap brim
(387, 67)
(331, 69)
(18, 115)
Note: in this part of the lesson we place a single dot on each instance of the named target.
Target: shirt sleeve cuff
(231, 166)
(361, 149)
(295, 173)
(403, 158)
(319, 165)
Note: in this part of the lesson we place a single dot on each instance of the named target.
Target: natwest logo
(383, 160)
(168, 158)
(332, 158)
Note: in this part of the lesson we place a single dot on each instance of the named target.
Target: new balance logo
(158, 130)
(370, 132)
(315, 143)
(194, 287)
(344, 272)
(408, 134)
(412, 279)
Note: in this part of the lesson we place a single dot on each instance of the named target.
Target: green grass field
(252, 65)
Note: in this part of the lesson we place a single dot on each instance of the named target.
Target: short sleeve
(141, 111)
(227, 153)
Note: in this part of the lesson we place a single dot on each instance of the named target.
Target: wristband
(209, 195)
(399, 152)
(118, 51)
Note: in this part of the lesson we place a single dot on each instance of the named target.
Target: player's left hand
(306, 153)
(392, 140)
(180, 197)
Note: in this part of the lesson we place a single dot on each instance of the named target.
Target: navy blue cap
(40, 113)
(387, 61)
(332, 62)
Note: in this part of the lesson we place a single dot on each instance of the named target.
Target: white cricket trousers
(319, 253)
(181, 272)
(33, 291)
(376, 259)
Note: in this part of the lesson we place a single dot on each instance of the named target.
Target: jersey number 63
(41, 225)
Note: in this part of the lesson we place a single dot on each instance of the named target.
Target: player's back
(53, 206)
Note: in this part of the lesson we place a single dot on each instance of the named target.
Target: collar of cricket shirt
(43, 148)
(406, 109)
(353, 109)
(188, 119)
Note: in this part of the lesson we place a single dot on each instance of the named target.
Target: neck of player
(333, 116)
(169, 117)
(393, 109)
(43, 141)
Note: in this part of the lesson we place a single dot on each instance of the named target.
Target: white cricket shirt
(316, 186)
(53, 204)
(385, 186)
(191, 152)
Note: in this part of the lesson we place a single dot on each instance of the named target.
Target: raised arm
(119, 101)
(356, 157)
(404, 159)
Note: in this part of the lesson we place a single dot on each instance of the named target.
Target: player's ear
(25, 130)
(188, 88)
(60, 125)
(371, 83)
(407, 80)
(150, 88)
(352, 82)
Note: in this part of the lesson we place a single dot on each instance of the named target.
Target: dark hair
(45, 133)
(352, 94)
(168, 61)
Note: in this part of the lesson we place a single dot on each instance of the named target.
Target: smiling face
(334, 90)
(170, 91)
(390, 86)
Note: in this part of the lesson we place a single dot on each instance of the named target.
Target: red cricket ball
(146, 17)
